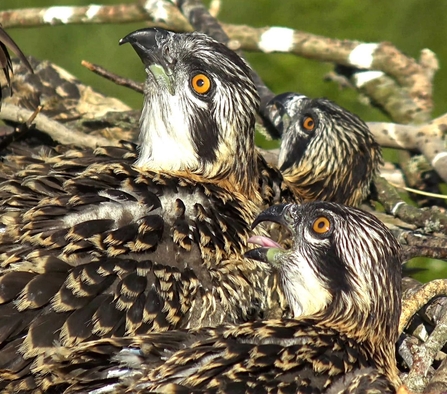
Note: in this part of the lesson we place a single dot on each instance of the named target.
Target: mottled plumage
(5, 60)
(343, 342)
(92, 245)
(327, 153)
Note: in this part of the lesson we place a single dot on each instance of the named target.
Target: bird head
(325, 150)
(344, 267)
(199, 107)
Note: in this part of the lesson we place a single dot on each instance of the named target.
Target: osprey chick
(327, 153)
(199, 108)
(341, 277)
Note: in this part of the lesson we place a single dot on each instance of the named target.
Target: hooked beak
(150, 44)
(281, 110)
(270, 251)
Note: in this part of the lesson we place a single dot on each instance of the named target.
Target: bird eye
(201, 83)
(308, 123)
(321, 225)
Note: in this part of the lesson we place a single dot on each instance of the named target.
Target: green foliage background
(411, 25)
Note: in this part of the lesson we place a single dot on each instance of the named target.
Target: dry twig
(414, 300)
(430, 220)
(57, 15)
(54, 129)
(128, 83)
(426, 353)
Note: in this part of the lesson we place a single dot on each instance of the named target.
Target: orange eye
(201, 83)
(309, 123)
(321, 225)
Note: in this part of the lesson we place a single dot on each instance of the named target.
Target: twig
(413, 301)
(418, 245)
(128, 83)
(420, 192)
(385, 93)
(426, 353)
(427, 311)
(410, 251)
(215, 6)
(20, 131)
(197, 15)
(53, 128)
(30, 17)
(428, 219)
(394, 135)
(382, 57)
(427, 139)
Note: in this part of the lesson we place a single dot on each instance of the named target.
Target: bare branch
(426, 352)
(427, 139)
(54, 129)
(385, 93)
(128, 83)
(430, 220)
(61, 15)
(379, 57)
(395, 135)
(438, 383)
(215, 6)
(414, 300)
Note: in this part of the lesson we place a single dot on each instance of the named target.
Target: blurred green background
(411, 25)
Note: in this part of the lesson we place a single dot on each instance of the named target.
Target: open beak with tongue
(269, 251)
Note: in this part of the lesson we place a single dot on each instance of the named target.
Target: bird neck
(235, 167)
(316, 183)
(224, 155)
(386, 362)
(374, 326)
(334, 180)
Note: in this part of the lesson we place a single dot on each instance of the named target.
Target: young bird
(327, 153)
(341, 278)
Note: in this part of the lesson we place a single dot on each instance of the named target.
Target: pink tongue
(263, 241)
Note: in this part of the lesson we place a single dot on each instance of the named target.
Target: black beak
(259, 254)
(147, 44)
(281, 111)
(275, 214)
(277, 111)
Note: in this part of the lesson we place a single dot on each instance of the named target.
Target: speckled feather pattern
(335, 161)
(111, 250)
(332, 351)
